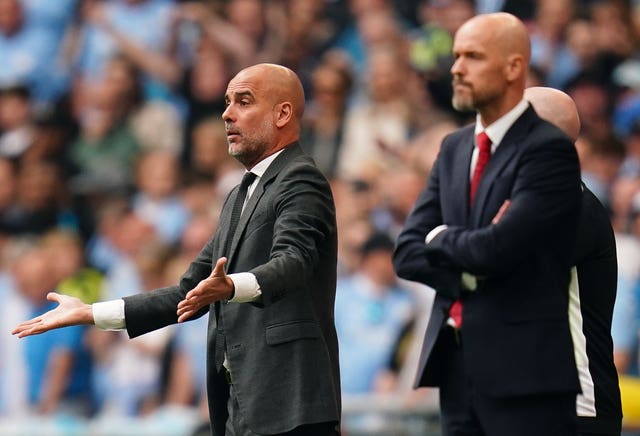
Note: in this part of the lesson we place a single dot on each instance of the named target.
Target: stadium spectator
(156, 199)
(372, 312)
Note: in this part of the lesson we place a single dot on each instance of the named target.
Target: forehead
(473, 37)
(244, 83)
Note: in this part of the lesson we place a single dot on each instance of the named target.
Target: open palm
(70, 311)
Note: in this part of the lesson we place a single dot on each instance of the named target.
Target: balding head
(265, 103)
(556, 107)
(278, 82)
(492, 54)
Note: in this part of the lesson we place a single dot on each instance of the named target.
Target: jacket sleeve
(305, 222)
(410, 257)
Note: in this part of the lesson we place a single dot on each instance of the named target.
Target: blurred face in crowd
(209, 76)
(386, 75)
(209, 146)
(246, 15)
(379, 267)
(10, 17)
(65, 253)
(15, 110)
(158, 174)
(329, 88)
(38, 183)
(33, 275)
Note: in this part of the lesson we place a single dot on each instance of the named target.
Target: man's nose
(456, 68)
(227, 114)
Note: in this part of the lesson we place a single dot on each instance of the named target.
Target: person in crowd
(57, 363)
(323, 123)
(16, 121)
(30, 53)
(127, 374)
(272, 357)
(132, 27)
(69, 268)
(372, 312)
(156, 200)
(501, 277)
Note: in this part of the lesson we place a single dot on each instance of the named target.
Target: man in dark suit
(498, 343)
(272, 357)
(592, 292)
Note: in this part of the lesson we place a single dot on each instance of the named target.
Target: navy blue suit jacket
(516, 337)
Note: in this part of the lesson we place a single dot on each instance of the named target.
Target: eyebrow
(240, 94)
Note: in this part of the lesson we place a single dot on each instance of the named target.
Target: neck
(490, 114)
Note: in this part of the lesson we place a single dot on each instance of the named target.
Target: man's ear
(283, 112)
(514, 67)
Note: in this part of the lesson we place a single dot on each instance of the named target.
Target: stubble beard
(251, 147)
(463, 102)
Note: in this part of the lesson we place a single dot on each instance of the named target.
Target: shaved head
(264, 103)
(556, 107)
(279, 83)
(505, 32)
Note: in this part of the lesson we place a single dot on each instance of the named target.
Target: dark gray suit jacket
(282, 350)
(515, 331)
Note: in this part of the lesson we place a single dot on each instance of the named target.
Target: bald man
(267, 277)
(593, 288)
(498, 342)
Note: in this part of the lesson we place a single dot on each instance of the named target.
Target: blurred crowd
(114, 164)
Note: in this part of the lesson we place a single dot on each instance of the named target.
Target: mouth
(232, 135)
(457, 84)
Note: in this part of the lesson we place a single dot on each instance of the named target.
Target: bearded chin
(462, 104)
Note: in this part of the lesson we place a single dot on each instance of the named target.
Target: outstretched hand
(218, 286)
(70, 311)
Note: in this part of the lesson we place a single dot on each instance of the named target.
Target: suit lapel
(505, 151)
(460, 185)
(272, 171)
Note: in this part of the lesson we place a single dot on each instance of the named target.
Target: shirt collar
(261, 167)
(496, 130)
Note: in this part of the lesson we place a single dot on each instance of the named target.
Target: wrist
(85, 313)
(232, 289)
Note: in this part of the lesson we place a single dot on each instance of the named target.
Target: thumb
(218, 270)
(53, 296)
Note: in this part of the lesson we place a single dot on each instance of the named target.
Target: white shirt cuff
(246, 287)
(435, 232)
(469, 281)
(109, 315)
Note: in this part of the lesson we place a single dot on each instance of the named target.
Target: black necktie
(247, 180)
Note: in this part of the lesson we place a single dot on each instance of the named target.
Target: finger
(24, 325)
(191, 294)
(190, 305)
(185, 316)
(218, 270)
(183, 309)
(29, 330)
